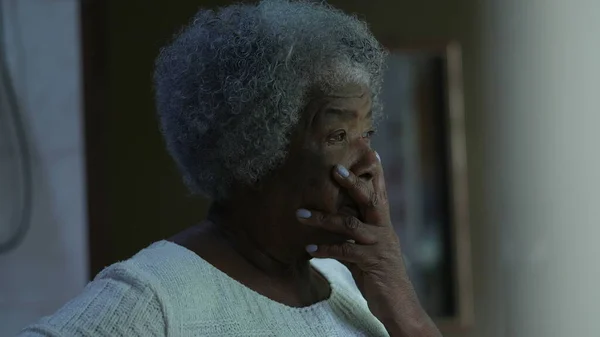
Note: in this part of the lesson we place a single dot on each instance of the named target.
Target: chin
(326, 238)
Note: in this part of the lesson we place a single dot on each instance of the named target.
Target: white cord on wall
(9, 109)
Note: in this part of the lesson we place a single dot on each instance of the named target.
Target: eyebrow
(346, 113)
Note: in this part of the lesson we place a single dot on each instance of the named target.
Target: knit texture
(167, 290)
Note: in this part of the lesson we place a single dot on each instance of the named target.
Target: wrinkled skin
(258, 237)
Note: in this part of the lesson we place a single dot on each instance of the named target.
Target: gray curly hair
(231, 86)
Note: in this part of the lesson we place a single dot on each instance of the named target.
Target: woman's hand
(374, 258)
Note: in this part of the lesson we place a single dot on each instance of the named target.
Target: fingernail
(303, 213)
(343, 171)
(311, 248)
(378, 157)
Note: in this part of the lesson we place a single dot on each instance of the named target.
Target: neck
(260, 250)
(259, 242)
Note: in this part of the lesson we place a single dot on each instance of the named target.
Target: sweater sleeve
(119, 302)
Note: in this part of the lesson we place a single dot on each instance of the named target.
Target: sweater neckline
(333, 296)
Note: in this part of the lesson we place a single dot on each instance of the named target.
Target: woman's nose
(365, 167)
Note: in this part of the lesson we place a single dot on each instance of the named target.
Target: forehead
(348, 100)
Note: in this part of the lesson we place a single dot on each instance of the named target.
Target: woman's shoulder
(164, 265)
(98, 310)
(142, 296)
(182, 281)
(161, 256)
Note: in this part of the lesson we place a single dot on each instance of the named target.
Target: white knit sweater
(166, 290)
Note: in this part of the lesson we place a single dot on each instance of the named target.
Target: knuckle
(352, 223)
(345, 249)
(322, 217)
(374, 200)
(372, 264)
(357, 185)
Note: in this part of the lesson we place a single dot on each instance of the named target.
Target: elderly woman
(267, 109)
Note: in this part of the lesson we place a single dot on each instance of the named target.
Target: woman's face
(335, 128)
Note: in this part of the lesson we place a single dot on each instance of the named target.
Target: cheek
(305, 172)
(320, 193)
(319, 190)
(315, 169)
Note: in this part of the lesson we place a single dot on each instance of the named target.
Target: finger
(379, 210)
(345, 252)
(371, 195)
(357, 189)
(345, 225)
(379, 179)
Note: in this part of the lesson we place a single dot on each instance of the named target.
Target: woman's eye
(339, 136)
(369, 134)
